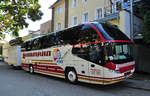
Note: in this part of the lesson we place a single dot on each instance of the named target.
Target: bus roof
(33, 38)
(94, 22)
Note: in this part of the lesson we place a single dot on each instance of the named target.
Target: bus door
(96, 63)
(81, 61)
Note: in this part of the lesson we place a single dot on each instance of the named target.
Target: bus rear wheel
(71, 76)
(31, 69)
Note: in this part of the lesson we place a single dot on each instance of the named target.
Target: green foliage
(14, 13)
(146, 34)
(143, 10)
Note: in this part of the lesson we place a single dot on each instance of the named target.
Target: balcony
(109, 14)
(112, 11)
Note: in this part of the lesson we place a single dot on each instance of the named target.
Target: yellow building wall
(59, 18)
(122, 20)
(125, 22)
(115, 22)
(90, 6)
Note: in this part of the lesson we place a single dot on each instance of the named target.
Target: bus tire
(31, 69)
(71, 76)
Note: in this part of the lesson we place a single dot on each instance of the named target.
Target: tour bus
(93, 52)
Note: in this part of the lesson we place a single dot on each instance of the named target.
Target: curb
(136, 84)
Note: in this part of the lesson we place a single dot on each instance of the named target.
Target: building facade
(67, 13)
(45, 27)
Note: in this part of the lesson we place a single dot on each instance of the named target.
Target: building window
(74, 20)
(74, 3)
(86, 17)
(58, 26)
(84, 1)
(99, 13)
(59, 11)
(116, 6)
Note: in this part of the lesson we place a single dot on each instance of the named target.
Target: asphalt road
(21, 83)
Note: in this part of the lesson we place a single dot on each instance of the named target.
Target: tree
(14, 13)
(143, 10)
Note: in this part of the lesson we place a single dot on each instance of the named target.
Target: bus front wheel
(71, 76)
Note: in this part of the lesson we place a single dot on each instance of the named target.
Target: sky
(45, 4)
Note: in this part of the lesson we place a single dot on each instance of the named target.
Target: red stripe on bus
(101, 77)
(82, 44)
(101, 37)
(122, 41)
(55, 67)
(50, 70)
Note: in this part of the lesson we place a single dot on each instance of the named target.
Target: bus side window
(90, 52)
(28, 46)
(96, 53)
(88, 34)
(80, 51)
(52, 40)
(23, 47)
(70, 36)
(48, 41)
(36, 44)
(67, 36)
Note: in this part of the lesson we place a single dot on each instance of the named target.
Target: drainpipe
(131, 20)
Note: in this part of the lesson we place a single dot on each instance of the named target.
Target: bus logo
(57, 56)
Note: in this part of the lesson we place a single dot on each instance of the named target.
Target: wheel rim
(72, 76)
(31, 69)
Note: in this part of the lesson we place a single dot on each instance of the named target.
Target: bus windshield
(110, 32)
(116, 52)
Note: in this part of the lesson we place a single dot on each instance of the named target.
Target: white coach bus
(97, 53)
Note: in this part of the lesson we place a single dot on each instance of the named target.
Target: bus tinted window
(69, 36)
(23, 47)
(110, 32)
(91, 52)
(36, 44)
(114, 32)
(88, 34)
(48, 41)
(28, 45)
